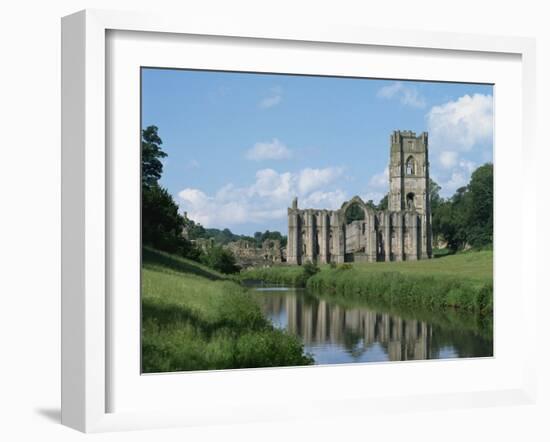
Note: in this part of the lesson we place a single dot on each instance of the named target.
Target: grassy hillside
(463, 281)
(194, 318)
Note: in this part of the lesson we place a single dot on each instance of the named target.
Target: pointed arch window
(410, 201)
(410, 166)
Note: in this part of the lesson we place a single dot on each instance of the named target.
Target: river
(336, 333)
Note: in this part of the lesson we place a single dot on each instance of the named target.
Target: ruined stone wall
(247, 254)
(382, 236)
(403, 232)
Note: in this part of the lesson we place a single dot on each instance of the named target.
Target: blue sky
(240, 146)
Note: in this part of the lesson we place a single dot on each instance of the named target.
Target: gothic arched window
(410, 166)
(410, 201)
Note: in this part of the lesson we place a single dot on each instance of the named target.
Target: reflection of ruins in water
(319, 322)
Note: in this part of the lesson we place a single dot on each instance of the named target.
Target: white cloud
(375, 197)
(377, 187)
(193, 164)
(268, 102)
(407, 95)
(273, 99)
(462, 124)
(266, 199)
(326, 200)
(460, 130)
(380, 180)
(194, 197)
(467, 165)
(391, 90)
(268, 150)
(458, 179)
(312, 179)
(270, 184)
(452, 178)
(448, 158)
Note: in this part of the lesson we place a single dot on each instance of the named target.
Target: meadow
(194, 318)
(462, 281)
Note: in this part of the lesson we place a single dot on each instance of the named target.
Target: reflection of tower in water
(319, 322)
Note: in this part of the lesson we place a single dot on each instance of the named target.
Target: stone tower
(409, 172)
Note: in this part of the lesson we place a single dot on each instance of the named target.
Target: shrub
(345, 266)
(220, 259)
(310, 269)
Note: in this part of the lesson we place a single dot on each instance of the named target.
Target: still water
(335, 333)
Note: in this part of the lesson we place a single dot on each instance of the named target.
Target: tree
(465, 219)
(435, 199)
(194, 230)
(370, 203)
(161, 223)
(435, 203)
(354, 213)
(383, 204)
(220, 259)
(260, 237)
(151, 153)
(480, 208)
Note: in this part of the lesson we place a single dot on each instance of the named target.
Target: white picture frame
(87, 210)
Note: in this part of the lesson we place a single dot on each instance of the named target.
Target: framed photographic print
(252, 214)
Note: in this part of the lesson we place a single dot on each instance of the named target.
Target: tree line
(225, 236)
(465, 220)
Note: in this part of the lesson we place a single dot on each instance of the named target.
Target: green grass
(474, 266)
(194, 318)
(283, 274)
(463, 281)
(164, 262)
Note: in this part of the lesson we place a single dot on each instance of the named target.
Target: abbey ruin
(357, 232)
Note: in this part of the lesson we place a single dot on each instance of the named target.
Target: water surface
(336, 332)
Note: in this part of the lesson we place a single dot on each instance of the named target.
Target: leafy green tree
(445, 227)
(435, 198)
(370, 203)
(466, 219)
(383, 204)
(435, 203)
(195, 230)
(161, 224)
(310, 269)
(260, 237)
(151, 154)
(480, 209)
(354, 213)
(220, 259)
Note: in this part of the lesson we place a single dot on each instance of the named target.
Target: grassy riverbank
(194, 318)
(294, 276)
(462, 281)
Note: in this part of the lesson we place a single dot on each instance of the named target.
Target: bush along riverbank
(462, 281)
(294, 276)
(194, 318)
